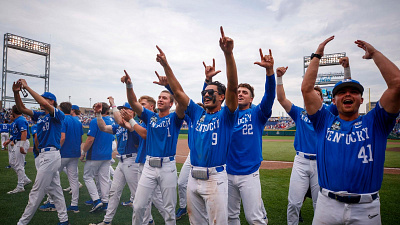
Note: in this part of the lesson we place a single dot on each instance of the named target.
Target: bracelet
(129, 85)
(279, 81)
(132, 122)
(207, 81)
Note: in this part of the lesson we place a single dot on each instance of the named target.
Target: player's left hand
(82, 158)
(21, 149)
(210, 70)
(127, 114)
(98, 107)
(321, 47)
(267, 61)
(344, 61)
(16, 86)
(161, 58)
(111, 100)
(368, 48)
(162, 80)
(225, 43)
(126, 79)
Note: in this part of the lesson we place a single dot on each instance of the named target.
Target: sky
(92, 42)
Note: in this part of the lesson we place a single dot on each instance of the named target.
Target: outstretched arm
(312, 101)
(131, 94)
(176, 87)
(231, 96)
(390, 72)
(344, 61)
(267, 101)
(39, 99)
(280, 91)
(100, 122)
(18, 101)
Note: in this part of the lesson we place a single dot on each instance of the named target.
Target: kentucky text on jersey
(207, 127)
(360, 135)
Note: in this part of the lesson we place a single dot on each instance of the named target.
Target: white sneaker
(16, 190)
(26, 182)
(67, 189)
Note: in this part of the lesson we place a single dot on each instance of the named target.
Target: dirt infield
(182, 150)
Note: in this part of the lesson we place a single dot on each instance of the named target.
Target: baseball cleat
(104, 207)
(8, 167)
(151, 222)
(48, 207)
(127, 203)
(67, 189)
(74, 209)
(89, 202)
(101, 223)
(96, 205)
(63, 223)
(16, 190)
(26, 182)
(181, 212)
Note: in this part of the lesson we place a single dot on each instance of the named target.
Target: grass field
(274, 183)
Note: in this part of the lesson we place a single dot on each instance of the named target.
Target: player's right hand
(126, 79)
(280, 71)
(210, 70)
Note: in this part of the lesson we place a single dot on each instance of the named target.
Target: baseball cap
(125, 105)
(49, 95)
(75, 107)
(347, 83)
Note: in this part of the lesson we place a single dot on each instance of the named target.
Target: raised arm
(139, 129)
(267, 101)
(176, 87)
(231, 96)
(39, 99)
(131, 94)
(344, 61)
(390, 72)
(210, 73)
(18, 101)
(280, 91)
(116, 113)
(312, 101)
(100, 122)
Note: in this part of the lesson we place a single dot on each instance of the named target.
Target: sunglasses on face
(209, 91)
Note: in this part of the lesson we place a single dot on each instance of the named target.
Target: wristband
(207, 81)
(132, 122)
(347, 73)
(279, 81)
(129, 85)
(83, 152)
(98, 115)
(114, 109)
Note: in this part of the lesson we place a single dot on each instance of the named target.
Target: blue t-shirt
(49, 128)
(73, 137)
(305, 137)
(211, 136)
(34, 131)
(101, 148)
(5, 128)
(162, 133)
(245, 149)
(351, 154)
(13, 131)
(21, 124)
(127, 141)
(141, 155)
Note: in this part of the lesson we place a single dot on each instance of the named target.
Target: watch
(316, 55)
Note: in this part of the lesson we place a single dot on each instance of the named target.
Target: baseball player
(98, 152)
(304, 172)
(4, 129)
(49, 125)
(160, 168)
(245, 150)
(208, 183)
(127, 169)
(10, 144)
(20, 138)
(351, 147)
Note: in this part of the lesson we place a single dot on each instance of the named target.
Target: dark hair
(248, 86)
(317, 88)
(15, 110)
(77, 112)
(220, 87)
(66, 107)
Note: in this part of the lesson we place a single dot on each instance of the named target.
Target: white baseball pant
(166, 177)
(331, 211)
(245, 189)
(207, 200)
(4, 137)
(304, 175)
(101, 170)
(19, 162)
(71, 167)
(183, 182)
(126, 172)
(47, 181)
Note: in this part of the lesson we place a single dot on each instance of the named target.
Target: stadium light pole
(69, 98)
(90, 102)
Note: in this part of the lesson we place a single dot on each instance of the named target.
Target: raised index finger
(222, 32)
(158, 76)
(159, 49)
(126, 74)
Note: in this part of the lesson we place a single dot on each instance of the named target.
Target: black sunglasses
(209, 91)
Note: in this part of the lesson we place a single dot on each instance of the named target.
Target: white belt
(212, 170)
(348, 197)
(164, 159)
(48, 149)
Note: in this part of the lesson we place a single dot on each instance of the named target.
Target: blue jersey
(162, 133)
(101, 148)
(5, 128)
(141, 154)
(351, 154)
(34, 131)
(245, 149)
(305, 138)
(73, 137)
(49, 128)
(13, 133)
(21, 125)
(211, 135)
(127, 141)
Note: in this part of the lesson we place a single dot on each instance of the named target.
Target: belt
(126, 156)
(163, 159)
(48, 149)
(306, 155)
(214, 170)
(16, 140)
(362, 198)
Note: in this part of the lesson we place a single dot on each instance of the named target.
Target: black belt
(349, 198)
(125, 156)
(16, 140)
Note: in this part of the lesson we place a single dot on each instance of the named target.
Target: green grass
(274, 183)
